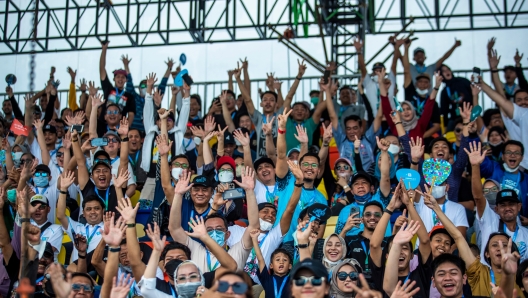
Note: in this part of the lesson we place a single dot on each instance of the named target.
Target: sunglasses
(26, 161)
(143, 86)
(302, 280)
(114, 112)
(41, 174)
(60, 154)
(308, 165)
(41, 207)
(344, 167)
(113, 140)
(101, 160)
(180, 165)
(238, 287)
(78, 287)
(491, 189)
(370, 214)
(342, 275)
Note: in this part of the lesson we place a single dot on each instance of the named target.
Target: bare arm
(423, 236)
(476, 157)
(225, 112)
(44, 152)
(448, 53)
(230, 85)
(407, 78)
(358, 44)
(281, 168)
(97, 258)
(258, 252)
(175, 228)
(102, 61)
(385, 186)
(287, 216)
(245, 94)
(293, 89)
(503, 103)
(376, 240)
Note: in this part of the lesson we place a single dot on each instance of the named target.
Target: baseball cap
(228, 138)
(343, 159)
(361, 174)
(43, 168)
(112, 133)
(314, 266)
(263, 159)
(509, 67)
(418, 50)
(225, 160)
(294, 149)
(266, 205)
(320, 211)
(378, 65)
(440, 230)
(507, 195)
(120, 71)
(40, 199)
(49, 128)
(101, 157)
(423, 75)
(202, 181)
(49, 249)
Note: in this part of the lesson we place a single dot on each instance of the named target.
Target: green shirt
(291, 131)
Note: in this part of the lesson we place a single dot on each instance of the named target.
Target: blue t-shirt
(272, 284)
(345, 214)
(285, 189)
(188, 212)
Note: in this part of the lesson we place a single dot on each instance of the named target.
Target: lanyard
(251, 134)
(172, 291)
(233, 115)
(43, 192)
(188, 143)
(89, 238)
(367, 252)
(211, 269)
(420, 104)
(337, 196)
(409, 275)
(106, 196)
(278, 294)
(134, 162)
(270, 197)
(435, 217)
(12, 211)
(109, 129)
(118, 95)
(492, 276)
(113, 160)
(39, 280)
(204, 214)
(253, 254)
(264, 118)
(420, 69)
(509, 90)
(59, 168)
(514, 233)
(53, 152)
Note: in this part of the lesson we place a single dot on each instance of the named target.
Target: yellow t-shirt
(479, 279)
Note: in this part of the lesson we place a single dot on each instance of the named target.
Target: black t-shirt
(419, 103)
(356, 246)
(108, 196)
(267, 281)
(134, 160)
(152, 170)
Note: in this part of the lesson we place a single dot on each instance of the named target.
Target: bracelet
(297, 78)
(125, 139)
(465, 123)
(494, 70)
(215, 210)
(114, 249)
(131, 225)
(280, 131)
(388, 211)
(299, 185)
(414, 163)
(302, 245)
(63, 192)
(436, 88)
(22, 220)
(74, 140)
(397, 123)
(325, 145)
(81, 257)
(346, 186)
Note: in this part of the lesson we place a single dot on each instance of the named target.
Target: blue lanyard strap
(113, 160)
(435, 217)
(105, 200)
(407, 278)
(211, 269)
(134, 162)
(278, 294)
(118, 95)
(492, 275)
(43, 192)
(420, 69)
(90, 236)
(367, 252)
(509, 90)
(204, 214)
(514, 234)
(172, 291)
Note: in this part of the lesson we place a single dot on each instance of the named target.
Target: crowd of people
(357, 193)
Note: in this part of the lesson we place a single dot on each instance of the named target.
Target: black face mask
(48, 288)
(171, 266)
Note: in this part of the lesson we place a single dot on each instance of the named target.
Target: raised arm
(407, 77)
(112, 237)
(502, 102)
(44, 152)
(5, 242)
(158, 246)
(448, 53)
(96, 102)
(66, 181)
(247, 81)
(281, 168)
(248, 184)
(385, 186)
(28, 117)
(230, 85)
(102, 60)
(164, 147)
(293, 88)
(225, 112)
(323, 152)
(258, 253)
(423, 236)
(476, 157)
(270, 145)
(396, 56)
(128, 213)
(319, 109)
(358, 44)
(287, 216)
(327, 89)
(82, 172)
(245, 94)
(175, 219)
(72, 98)
(244, 140)
(302, 137)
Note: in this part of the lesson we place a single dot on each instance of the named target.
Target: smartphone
(75, 240)
(99, 142)
(78, 128)
(354, 210)
(234, 194)
(326, 76)
(187, 79)
(476, 74)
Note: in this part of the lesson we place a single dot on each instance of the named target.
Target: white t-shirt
(93, 235)
(261, 192)
(371, 90)
(520, 116)
(52, 194)
(272, 240)
(454, 211)
(489, 223)
(53, 234)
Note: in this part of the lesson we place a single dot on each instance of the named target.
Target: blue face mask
(11, 195)
(41, 181)
(218, 237)
(363, 199)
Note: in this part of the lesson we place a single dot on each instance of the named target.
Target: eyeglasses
(302, 280)
(41, 207)
(308, 165)
(370, 214)
(191, 278)
(78, 287)
(491, 189)
(41, 174)
(458, 130)
(343, 167)
(180, 165)
(238, 287)
(342, 275)
(60, 154)
(513, 153)
(114, 112)
(225, 170)
(222, 230)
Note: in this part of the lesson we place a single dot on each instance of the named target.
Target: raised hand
(417, 149)
(301, 135)
(123, 127)
(358, 44)
(81, 244)
(353, 221)
(327, 133)
(395, 201)
(104, 44)
(277, 85)
(67, 179)
(475, 89)
(458, 42)
(302, 68)
(198, 228)
(29, 103)
(244, 63)
(223, 97)
(509, 258)
(121, 180)
(438, 79)
(303, 232)
(114, 234)
(283, 118)
(405, 235)
(491, 44)
(72, 73)
(151, 80)
(405, 290)
(164, 145)
(383, 144)
(517, 58)
(221, 132)
(268, 126)
(33, 234)
(254, 234)
(493, 59)
(248, 179)
(175, 90)
(183, 185)
(465, 112)
(92, 90)
(296, 170)
(61, 284)
(107, 218)
(401, 220)
(395, 116)
(157, 97)
(364, 291)
(83, 85)
(197, 131)
(476, 157)
(39, 124)
(96, 100)
(121, 287)
(210, 135)
(126, 60)
(209, 124)
(241, 137)
(128, 213)
(154, 235)
(429, 200)
(170, 63)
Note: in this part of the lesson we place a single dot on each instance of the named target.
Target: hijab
(377, 172)
(335, 292)
(188, 289)
(411, 124)
(326, 262)
(496, 150)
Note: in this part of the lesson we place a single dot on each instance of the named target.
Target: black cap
(49, 249)
(266, 205)
(101, 157)
(203, 181)
(378, 65)
(507, 195)
(361, 174)
(43, 168)
(315, 266)
(228, 138)
(263, 159)
(102, 153)
(320, 211)
(509, 67)
(49, 128)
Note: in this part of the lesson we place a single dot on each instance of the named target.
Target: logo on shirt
(357, 249)
(521, 245)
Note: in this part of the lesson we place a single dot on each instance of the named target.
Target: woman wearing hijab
(334, 250)
(345, 274)
(187, 279)
(412, 124)
(496, 143)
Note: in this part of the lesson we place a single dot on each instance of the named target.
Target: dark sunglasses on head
(302, 280)
(239, 288)
(343, 275)
(41, 174)
(78, 287)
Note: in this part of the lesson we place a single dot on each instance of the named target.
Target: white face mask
(422, 92)
(438, 191)
(296, 162)
(237, 143)
(225, 176)
(374, 78)
(16, 158)
(142, 92)
(265, 225)
(197, 141)
(343, 174)
(176, 172)
(510, 170)
(394, 149)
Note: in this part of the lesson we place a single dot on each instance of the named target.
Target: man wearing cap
(142, 89)
(266, 183)
(49, 232)
(420, 67)
(116, 95)
(44, 148)
(41, 185)
(309, 276)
